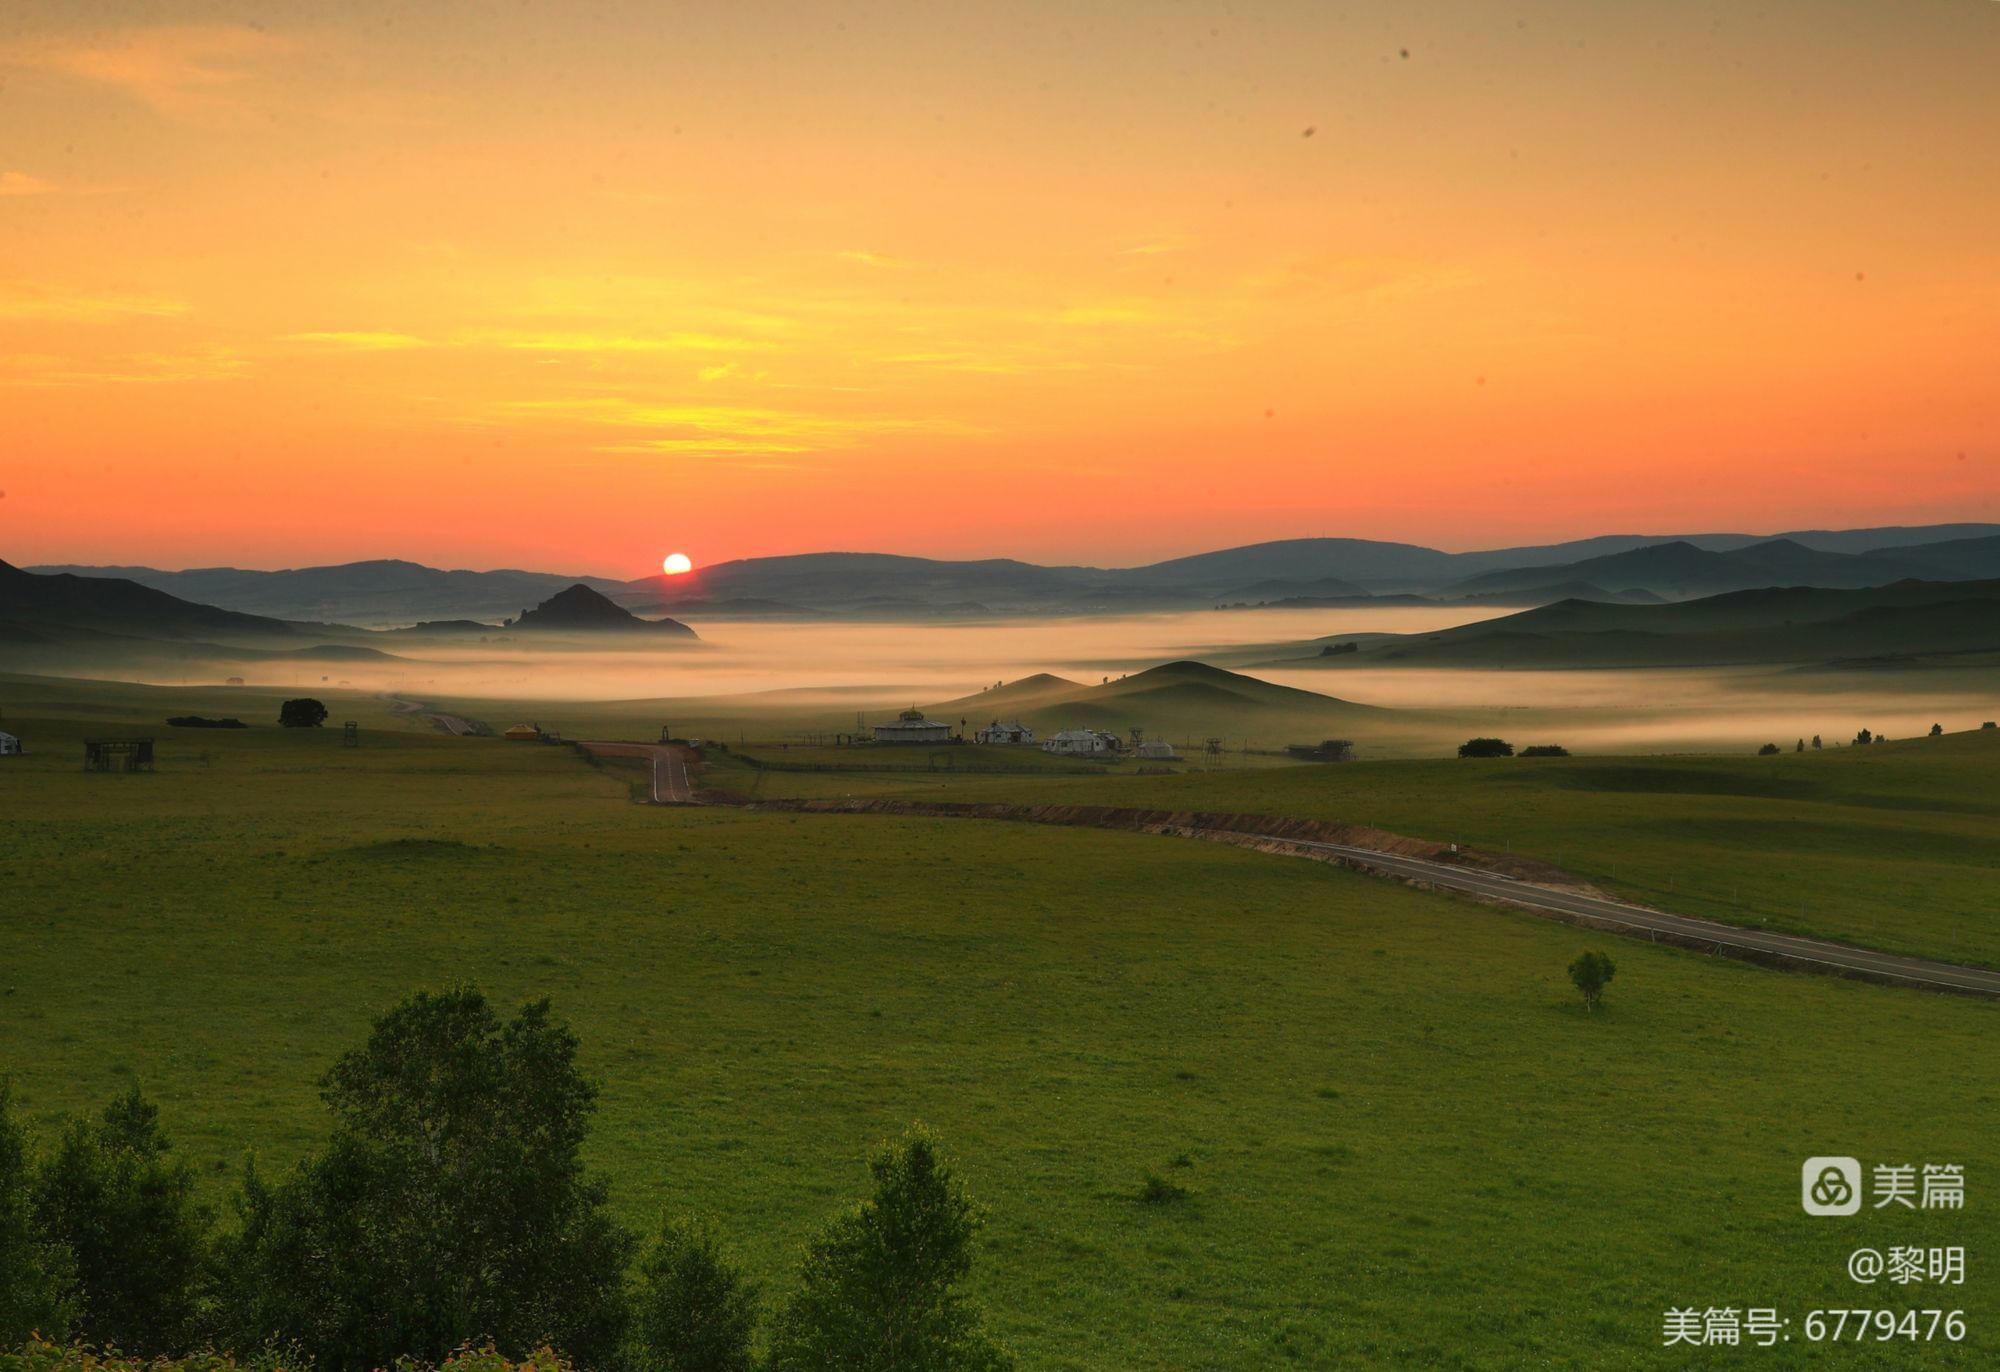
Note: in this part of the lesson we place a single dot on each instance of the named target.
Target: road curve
(670, 773)
(671, 786)
(1735, 940)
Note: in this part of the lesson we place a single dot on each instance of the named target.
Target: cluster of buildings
(911, 727)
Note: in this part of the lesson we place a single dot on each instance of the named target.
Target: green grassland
(1895, 845)
(1404, 1142)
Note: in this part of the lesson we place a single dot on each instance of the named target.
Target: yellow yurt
(524, 733)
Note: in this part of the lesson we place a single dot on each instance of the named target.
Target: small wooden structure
(350, 734)
(118, 755)
(10, 746)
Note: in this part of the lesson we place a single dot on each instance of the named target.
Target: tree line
(449, 1205)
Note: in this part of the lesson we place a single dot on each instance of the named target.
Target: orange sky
(570, 285)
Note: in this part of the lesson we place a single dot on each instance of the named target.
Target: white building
(1157, 750)
(9, 745)
(912, 727)
(1092, 742)
(1011, 732)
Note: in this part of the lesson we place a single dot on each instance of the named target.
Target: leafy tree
(1545, 750)
(877, 1288)
(1816, 743)
(36, 1273)
(694, 1311)
(1486, 747)
(303, 713)
(1801, 748)
(1591, 973)
(1768, 750)
(127, 1213)
(450, 1204)
(1937, 730)
(1864, 737)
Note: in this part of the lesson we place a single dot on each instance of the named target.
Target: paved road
(450, 724)
(672, 787)
(670, 773)
(1639, 921)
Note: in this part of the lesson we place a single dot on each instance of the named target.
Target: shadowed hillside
(1798, 624)
(582, 610)
(1179, 699)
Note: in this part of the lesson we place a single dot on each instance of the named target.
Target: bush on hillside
(39, 1355)
(126, 1212)
(37, 1273)
(1486, 747)
(693, 1311)
(450, 1203)
(303, 713)
(1591, 973)
(1545, 750)
(1769, 750)
(878, 1288)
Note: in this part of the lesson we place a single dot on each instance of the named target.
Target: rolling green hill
(1179, 699)
(1784, 625)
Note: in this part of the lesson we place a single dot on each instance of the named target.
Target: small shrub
(36, 1272)
(1155, 1189)
(127, 1212)
(693, 1312)
(1591, 973)
(879, 1288)
(303, 713)
(1486, 747)
(450, 1203)
(1545, 750)
(1768, 750)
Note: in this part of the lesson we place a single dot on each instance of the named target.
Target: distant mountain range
(81, 619)
(1682, 570)
(1303, 572)
(1870, 626)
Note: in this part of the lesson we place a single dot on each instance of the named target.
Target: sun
(677, 564)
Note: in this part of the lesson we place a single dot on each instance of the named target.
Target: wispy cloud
(548, 341)
(43, 369)
(1122, 312)
(194, 71)
(872, 259)
(1158, 247)
(724, 429)
(27, 300)
(19, 183)
(361, 340)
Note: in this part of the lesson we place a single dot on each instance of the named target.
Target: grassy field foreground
(1403, 1142)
